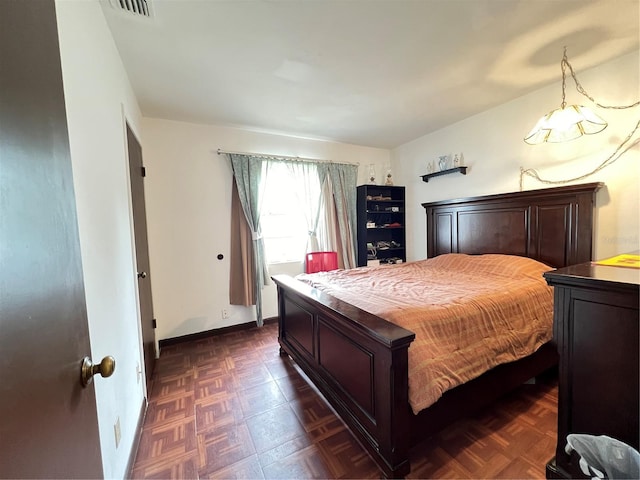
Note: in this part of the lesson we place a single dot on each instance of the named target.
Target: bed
(370, 391)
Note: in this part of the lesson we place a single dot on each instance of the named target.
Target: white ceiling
(374, 73)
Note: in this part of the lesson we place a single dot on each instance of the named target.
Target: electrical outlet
(116, 431)
(225, 314)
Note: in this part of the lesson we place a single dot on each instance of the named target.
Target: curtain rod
(283, 157)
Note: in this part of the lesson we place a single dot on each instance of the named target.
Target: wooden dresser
(596, 329)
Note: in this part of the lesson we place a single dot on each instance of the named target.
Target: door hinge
(154, 323)
(144, 171)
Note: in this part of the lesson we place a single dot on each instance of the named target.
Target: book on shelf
(624, 260)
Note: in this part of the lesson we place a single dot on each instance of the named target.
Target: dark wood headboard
(551, 225)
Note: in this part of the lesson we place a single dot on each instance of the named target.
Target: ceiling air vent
(135, 7)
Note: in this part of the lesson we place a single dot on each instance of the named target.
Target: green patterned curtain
(343, 178)
(248, 172)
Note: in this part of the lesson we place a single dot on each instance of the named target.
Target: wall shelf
(462, 170)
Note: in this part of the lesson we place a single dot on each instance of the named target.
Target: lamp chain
(580, 88)
(563, 64)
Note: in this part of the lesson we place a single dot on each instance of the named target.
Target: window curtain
(339, 196)
(328, 233)
(309, 197)
(248, 172)
(242, 274)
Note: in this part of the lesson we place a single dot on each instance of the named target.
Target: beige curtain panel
(242, 275)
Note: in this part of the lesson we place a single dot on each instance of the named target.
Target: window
(288, 197)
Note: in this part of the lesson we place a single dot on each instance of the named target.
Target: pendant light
(567, 122)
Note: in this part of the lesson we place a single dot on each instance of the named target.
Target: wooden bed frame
(359, 361)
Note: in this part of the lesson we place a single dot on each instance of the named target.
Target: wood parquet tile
(229, 406)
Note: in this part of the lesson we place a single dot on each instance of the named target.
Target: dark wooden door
(136, 171)
(48, 425)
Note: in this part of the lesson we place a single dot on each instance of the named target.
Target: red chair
(321, 262)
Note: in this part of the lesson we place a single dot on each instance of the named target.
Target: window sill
(287, 268)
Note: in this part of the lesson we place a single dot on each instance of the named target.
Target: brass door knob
(105, 368)
(142, 274)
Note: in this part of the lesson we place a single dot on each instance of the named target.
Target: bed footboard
(358, 361)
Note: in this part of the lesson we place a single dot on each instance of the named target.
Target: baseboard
(210, 333)
(136, 439)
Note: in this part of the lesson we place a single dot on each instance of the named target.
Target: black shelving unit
(462, 170)
(381, 224)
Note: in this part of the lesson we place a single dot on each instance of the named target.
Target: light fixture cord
(618, 152)
(580, 88)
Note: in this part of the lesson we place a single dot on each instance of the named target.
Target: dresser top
(588, 274)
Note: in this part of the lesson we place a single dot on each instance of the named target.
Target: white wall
(97, 92)
(188, 191)
(494, 151)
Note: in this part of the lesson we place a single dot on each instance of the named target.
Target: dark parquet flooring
(230, 406)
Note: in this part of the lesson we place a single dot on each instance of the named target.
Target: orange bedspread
(469, 313)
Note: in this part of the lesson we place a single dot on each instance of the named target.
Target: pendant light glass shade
(567, 122)
(564, 124)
